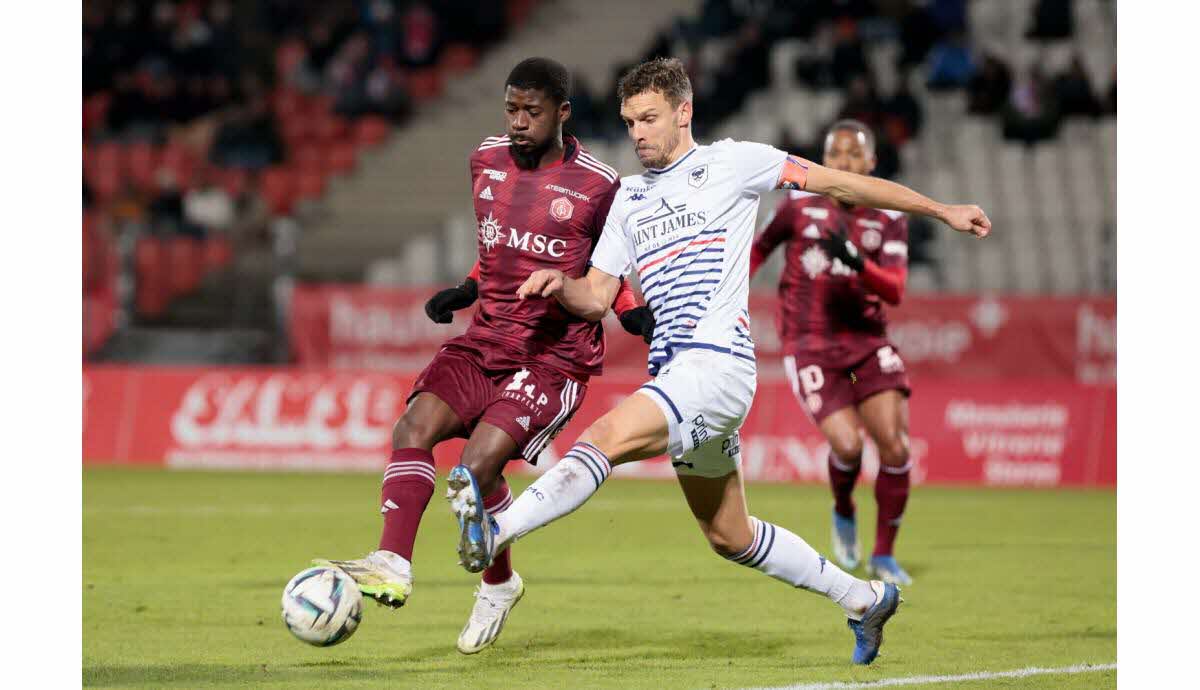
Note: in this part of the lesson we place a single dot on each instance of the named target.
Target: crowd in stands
(204, 119)
(727, 50)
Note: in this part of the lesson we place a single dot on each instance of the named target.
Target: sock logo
(388, 505)
(822, 563)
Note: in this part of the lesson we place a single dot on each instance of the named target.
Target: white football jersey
(687, 230)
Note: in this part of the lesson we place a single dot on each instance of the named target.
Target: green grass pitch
(183, 571)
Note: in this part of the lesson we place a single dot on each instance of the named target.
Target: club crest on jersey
(871, 240)
(561, 209)
(698, 176)
(489, 232)
(814, 261)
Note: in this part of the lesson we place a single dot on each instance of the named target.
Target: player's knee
(413, 432)
(727, 542)
(893, 451)
(847, 447)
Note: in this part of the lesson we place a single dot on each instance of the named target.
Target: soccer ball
(322, 606)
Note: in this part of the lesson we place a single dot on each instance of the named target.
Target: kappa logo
(698, 176)
(524, 422)
(561, 209)
(487, 194)
(636, 196)
(495, 175)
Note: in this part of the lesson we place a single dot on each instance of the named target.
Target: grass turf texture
(183, 571)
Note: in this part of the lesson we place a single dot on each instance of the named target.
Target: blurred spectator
(902, 114)
(1073, 89)
(420, 43)
(209, 207)
(988, 90)
(1052, 19)
(918, 32)
(166, 211)
(585, 116)
(849, 60)
(248, 138)
(861, 103)
(1032, 113)
(950, 63)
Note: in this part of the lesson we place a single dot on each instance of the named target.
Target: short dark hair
(856, 126)
(664, 75)
(543, 74)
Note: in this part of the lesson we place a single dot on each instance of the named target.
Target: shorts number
(889, 360)
(518, 380)
(811, 378)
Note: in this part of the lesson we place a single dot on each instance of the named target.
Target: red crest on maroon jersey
(561, 209)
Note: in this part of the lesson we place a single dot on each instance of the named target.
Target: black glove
(837, 246)
(639, 321)
(441, 307)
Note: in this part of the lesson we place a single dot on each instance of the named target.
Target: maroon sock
(500, 571)
(891, 494)
(841, 480)
(407, 488)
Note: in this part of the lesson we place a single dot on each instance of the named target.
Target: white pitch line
(927, 680)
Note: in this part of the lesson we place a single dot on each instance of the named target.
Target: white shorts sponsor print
(705, 397)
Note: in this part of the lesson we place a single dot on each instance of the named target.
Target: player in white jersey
(686, 226)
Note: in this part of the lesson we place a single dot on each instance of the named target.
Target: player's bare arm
(588, 297)
(862, 190)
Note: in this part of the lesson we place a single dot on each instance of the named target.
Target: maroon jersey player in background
(513, 380)
(842, 264)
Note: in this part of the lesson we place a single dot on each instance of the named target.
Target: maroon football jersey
(825, 313)
(529, 220)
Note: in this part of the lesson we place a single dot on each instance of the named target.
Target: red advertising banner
(975, 337)
(998, 433)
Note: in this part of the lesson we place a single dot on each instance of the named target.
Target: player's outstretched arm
(588, 297)
(874, 192)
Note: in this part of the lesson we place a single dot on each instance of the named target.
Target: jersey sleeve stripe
(584, 155)
(607, 176)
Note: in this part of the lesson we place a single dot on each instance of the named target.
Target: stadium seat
(288, 57)
(180, 160)
(218, 252)
(234, 181)
(153, 289)
(370, 131)
(186, 261)
(340, 158)
(310, 184)
(456, 59)
(286, 102)
(307, 156)
(139, 163)
(329, 127)
(278, 189)
(95, 110)
(424, 84)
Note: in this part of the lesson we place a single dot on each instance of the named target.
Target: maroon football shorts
(822, 390)
(528, 401)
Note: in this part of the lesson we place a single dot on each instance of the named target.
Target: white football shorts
(705, 397)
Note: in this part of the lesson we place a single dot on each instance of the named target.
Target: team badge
(871, 239)
(814, 261)
(698, 176)
(561, 209)
(489, 232)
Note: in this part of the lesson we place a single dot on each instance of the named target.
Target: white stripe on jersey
(584, 155)
(599, 171)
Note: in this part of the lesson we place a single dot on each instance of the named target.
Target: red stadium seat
(310, 184)
(186, 264)
(518, 11)
(340, 158)
(140, 162)
(95, 110)
(457, 58)
(330, 127)
(371, 130)
(297, 129)
(278, 189)
(288, 57)
(218, 252)
(152, 293)
(424, 84)
(286, 102)
(307, 157)
(233, 180)
(180, 160)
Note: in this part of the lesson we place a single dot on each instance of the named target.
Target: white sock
(557, 493)
(785, 556)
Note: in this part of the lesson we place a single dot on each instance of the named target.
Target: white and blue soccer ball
(322, 606)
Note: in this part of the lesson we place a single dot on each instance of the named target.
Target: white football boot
(382, 575)
(492, 606)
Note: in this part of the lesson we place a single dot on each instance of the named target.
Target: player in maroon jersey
(513, 380)
(842, 264)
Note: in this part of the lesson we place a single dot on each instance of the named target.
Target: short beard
(529, 159)
(664, 161)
